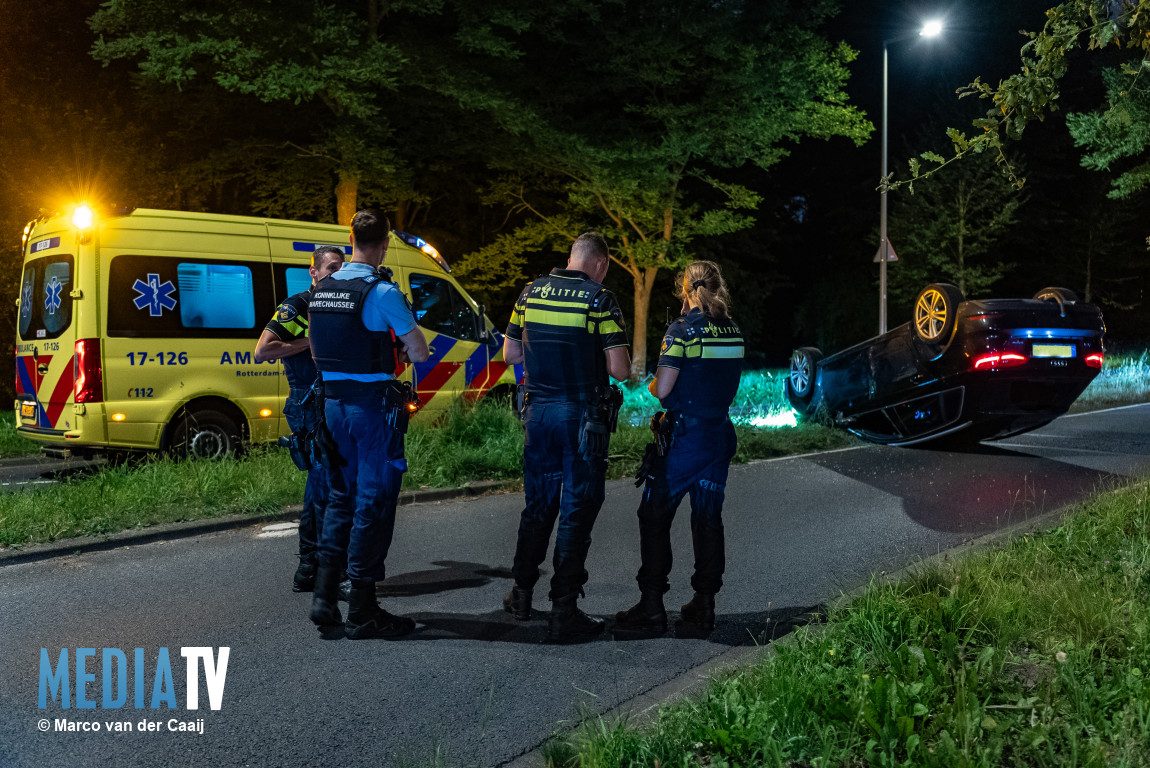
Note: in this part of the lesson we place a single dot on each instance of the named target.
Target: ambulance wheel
(503, 394)
(204, 434)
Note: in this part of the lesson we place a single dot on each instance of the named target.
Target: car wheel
(935, 311)
(204, 435)
(800, 384)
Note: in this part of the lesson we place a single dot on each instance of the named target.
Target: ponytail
(704, 281)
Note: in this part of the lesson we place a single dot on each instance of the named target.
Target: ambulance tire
(503, 394)
(204, 434)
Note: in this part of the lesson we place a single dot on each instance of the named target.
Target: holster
(521, 400)
(299, 448)
(399, 402)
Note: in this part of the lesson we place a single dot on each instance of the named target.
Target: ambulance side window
(46, 297)
(157, 296)
(440, 308)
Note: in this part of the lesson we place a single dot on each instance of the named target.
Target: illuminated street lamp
(885, 251)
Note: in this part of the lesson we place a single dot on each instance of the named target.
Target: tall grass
(1123, 380)
(12, 443)
(153, 491)
(1034, 654)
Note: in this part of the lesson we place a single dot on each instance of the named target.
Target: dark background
(70, 127)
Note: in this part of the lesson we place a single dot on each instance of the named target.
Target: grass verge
(1036, 653)
(483, 442)
(1123, 380)
(12, 443)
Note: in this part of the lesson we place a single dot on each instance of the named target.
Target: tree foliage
(628, 112)
(1122, 26)
(350, 61)
(1120, 134)
(948, 230)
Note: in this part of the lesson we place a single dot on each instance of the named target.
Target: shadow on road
(449, 576)
(496, 626)
(981, 489)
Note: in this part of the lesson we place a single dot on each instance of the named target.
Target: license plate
(1052, 350)
(28, 410)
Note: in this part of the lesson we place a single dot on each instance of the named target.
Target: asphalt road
(28, 472)
(470, 684)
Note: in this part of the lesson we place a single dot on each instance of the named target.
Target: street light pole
(882, 247)
(930, 29)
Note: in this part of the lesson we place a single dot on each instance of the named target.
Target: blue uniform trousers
(315, 492)
(557, 483)
(696, 464)
(360, 516)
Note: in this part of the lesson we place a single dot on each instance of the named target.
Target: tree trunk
(643, 283)
(402, 207)
(346, 192)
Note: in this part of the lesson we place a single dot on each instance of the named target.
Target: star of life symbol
(26, 299)
(154, 295)
(52, 295)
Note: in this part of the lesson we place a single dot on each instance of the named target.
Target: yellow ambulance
(135, 330)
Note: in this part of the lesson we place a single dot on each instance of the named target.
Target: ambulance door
(460, 361)
(46, 338)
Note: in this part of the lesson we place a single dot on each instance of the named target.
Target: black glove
(325, 451)
(649, 467)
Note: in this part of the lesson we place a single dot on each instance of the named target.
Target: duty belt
(344, 388)
(697, 422)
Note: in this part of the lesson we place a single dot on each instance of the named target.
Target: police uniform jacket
(708, 354)
(566, 321)
(290, 323)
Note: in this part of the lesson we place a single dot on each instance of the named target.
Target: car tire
(204, 434)
(935, 313)
(800, 383)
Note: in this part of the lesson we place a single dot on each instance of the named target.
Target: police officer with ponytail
(362, 328)
(700, 362)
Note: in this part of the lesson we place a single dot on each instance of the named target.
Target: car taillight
(1094, 360)
(997, 360)
(88, 376)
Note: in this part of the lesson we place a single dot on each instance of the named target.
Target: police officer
(568, 331)
(362, 328)
(696, 381)
(285, 338)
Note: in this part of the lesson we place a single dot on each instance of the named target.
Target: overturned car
(959, 372)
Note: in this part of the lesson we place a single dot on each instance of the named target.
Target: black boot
(365, 619)
(324, 601)
(647, 618)
(518, 603)
(568, 624)
(304, 580)
(697, 618)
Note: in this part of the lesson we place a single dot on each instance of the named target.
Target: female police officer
(699, 367)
